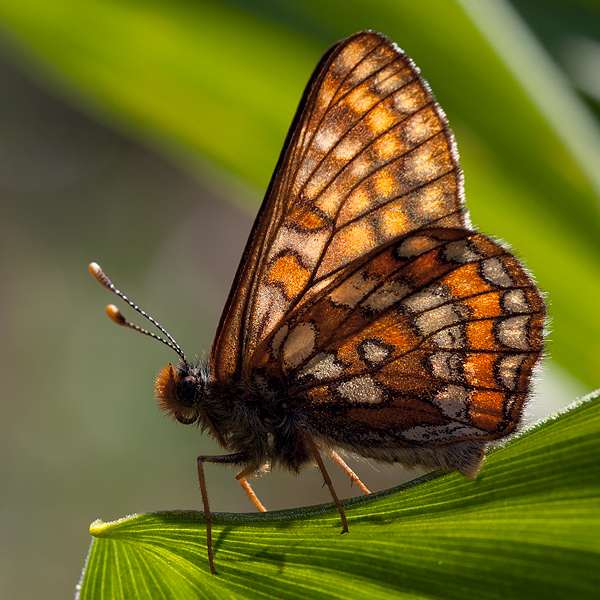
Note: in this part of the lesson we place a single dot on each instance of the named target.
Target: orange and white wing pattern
(429, 340)
(369, 158)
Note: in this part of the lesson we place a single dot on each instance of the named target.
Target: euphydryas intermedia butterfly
(366, 315)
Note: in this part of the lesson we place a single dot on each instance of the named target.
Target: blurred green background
(141, 134)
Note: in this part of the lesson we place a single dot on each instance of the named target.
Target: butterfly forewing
(369, 158)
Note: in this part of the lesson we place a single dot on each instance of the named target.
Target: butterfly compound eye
(177, 395)
(187, 397)
(187, 390)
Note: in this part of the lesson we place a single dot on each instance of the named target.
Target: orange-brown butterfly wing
(430, 339)
(369, 157)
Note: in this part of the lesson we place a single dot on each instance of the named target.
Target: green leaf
(527, 527)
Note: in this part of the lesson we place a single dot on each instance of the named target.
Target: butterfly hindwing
(369, 158)
(430, 339)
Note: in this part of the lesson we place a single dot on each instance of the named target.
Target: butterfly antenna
(115, 314)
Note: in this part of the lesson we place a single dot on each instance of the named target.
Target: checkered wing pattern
(430, 339)
(369, 158)
(364, 293)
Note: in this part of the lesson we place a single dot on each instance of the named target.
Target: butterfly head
(180, 391)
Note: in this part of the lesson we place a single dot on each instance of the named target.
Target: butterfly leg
(241, 477)
(326, 478)
(353, 476)
(226, 459)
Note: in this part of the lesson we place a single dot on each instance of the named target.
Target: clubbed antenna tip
(115, 314)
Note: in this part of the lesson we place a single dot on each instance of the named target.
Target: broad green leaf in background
(221, 79)
(527, 527)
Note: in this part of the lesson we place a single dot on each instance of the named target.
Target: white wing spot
(416, 245)
(515, 301)
(422, 164)
(325, 138)
(461, 251)
(494, 271)
(508, 369)
(270, 304)
(452, 337)
(374, 352)
(387, 295)
(446, 365)
(452, 401)
(353, 290)
(512, 332)
(419, 126)
(347, 150)
(323, 366)
(406, 101)
(309, 247)
(437, 319)
(361, 389)
(430, 297)
(299, 344)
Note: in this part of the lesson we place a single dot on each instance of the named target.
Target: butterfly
(367, 316)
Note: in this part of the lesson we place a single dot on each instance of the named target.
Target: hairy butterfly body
(366, 315)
